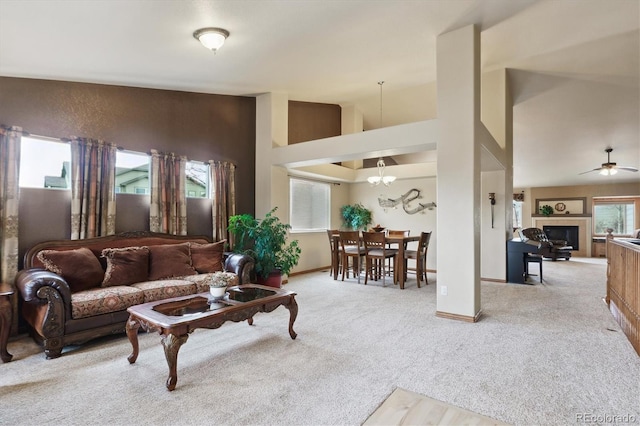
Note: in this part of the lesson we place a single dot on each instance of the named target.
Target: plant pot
(273, 280)
(217, 292)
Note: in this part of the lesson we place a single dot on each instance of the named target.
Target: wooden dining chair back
(336, 252)
(397, 234)
(420, 257)
(376, 253)
(351, 249)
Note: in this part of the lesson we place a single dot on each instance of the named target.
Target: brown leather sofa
(81, 302)
(551, 249)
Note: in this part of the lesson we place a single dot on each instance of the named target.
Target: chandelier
(381, 178)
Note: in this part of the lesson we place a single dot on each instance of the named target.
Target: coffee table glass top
(249, 294)
(201, 304)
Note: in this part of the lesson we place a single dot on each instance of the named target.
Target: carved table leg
(171, 344)
(5, 326)
(292, 306)
(132, 327)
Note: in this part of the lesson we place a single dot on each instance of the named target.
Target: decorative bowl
(378, 228)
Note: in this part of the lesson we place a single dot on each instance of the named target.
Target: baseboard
(328, 267)
(324, 268)
(459, 317)
(411, 269)
(493, 280)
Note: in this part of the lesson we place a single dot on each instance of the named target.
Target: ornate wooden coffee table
(176, 318)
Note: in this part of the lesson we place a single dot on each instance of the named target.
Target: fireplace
(568, 233)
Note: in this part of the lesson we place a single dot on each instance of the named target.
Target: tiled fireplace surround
(584, 230)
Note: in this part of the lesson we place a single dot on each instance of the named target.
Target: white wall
(493, 262)
(315, 245)
(398, 218)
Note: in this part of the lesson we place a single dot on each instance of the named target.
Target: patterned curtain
(168, 212)
(93, 198)
(223, 196)
(10, 138)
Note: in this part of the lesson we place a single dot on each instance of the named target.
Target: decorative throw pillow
(170, 261)
(80, 268)
(207, 257)
(128, 265)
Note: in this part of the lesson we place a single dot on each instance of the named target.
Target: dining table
(400, 241)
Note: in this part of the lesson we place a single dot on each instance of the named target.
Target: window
(197, 179)
(310, 202)
(132, 172)
(517, 214)
(44, 163)
(617, 214)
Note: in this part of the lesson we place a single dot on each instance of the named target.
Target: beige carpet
(541, 355)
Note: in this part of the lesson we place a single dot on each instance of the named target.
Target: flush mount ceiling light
(381, 178)
(211, 38)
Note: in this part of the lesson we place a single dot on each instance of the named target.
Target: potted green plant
(546, 210)
(356, 216)
(266, 242)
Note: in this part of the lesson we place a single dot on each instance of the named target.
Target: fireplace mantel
(583, 222)
(561, 215)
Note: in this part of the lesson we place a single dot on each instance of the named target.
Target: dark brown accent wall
(201, 126)
(310, 121)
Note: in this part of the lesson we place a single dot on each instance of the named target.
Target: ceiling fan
(610, 168)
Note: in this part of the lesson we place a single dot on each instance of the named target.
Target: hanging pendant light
(381, 178)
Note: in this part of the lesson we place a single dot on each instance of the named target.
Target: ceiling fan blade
(610, 168)
(589, 171)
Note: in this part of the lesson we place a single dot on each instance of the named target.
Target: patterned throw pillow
(170, 261)
(207, 257)
(80, 268)
(128, 265)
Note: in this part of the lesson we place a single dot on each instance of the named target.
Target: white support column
(271, 183)
(458, 244)
(508, 172)
(497, 117)
(351, 122)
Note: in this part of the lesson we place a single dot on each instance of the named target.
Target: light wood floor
(403, 407)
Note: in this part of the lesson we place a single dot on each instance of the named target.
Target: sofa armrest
(240, 264)
(30, 283)
(544, 248)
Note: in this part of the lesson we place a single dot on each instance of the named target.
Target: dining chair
(376, 253)
(420, 256)
(351, 249)
(336, 251)
(396, 233)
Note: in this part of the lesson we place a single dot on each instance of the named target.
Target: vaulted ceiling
(574, 65)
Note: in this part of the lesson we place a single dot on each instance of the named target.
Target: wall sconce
(492, 198)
